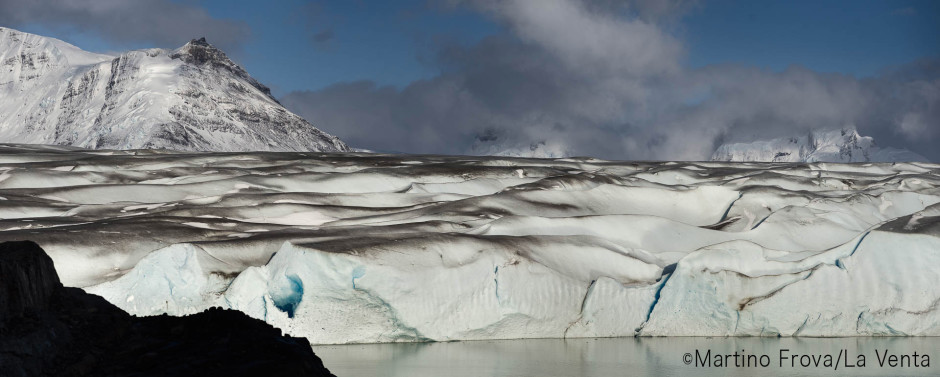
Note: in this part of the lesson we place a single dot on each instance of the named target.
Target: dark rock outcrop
(50, 330)
(200, 53)
(27, 280)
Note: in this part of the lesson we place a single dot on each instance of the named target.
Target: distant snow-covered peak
(55, 49)
(833, 145)
(193, 98)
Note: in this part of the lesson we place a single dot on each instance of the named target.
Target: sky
(638, 79)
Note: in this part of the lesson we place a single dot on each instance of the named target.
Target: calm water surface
(638, 356)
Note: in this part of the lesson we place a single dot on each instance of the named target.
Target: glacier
(193, 98)
(363, 248)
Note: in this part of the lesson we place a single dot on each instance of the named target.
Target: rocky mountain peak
(199, 52)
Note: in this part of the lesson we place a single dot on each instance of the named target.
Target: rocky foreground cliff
(50, 330)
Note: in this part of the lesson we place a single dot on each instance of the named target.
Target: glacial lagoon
(639, 356)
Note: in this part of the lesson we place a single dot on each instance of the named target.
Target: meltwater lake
(861, 356)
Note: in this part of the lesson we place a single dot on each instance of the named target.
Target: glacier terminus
(359, 248)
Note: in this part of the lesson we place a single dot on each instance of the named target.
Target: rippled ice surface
(618, 357)
(370, 248)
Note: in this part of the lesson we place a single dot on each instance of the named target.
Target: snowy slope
(193, 98)
(844, 145)
(381, 248)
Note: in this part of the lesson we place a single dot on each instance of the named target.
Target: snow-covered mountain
(193, 98)
(842, 145)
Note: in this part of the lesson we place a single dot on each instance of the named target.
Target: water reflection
(633, 356)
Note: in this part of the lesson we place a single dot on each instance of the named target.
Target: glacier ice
(357, 248)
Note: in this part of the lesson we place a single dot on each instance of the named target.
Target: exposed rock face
(193, 98)
(27, 280)
(200, 53)
(49, 330)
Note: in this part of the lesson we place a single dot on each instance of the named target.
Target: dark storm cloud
(498, 84)
(582, 79)
(744, 103)
(547, 86)
(161, 22)
(904, 107)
